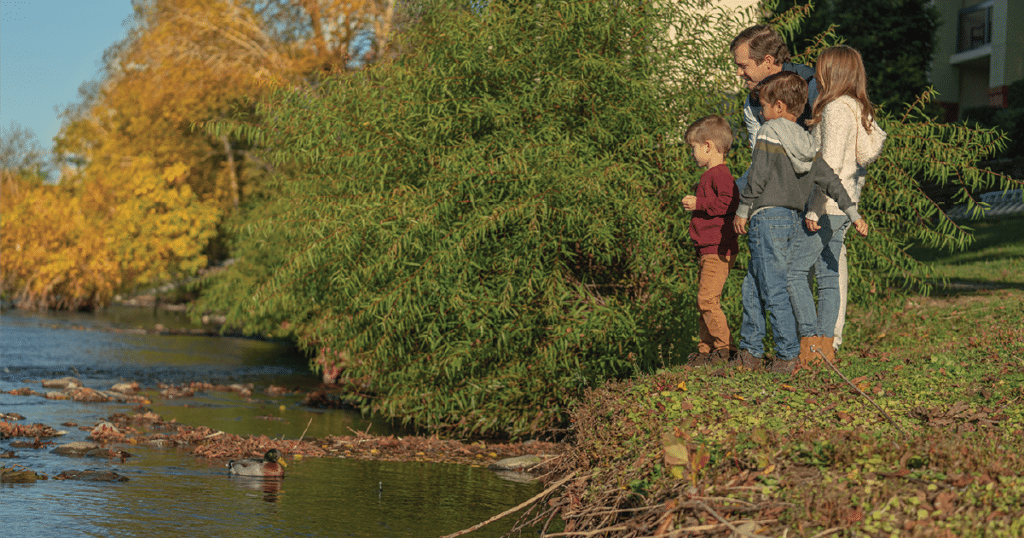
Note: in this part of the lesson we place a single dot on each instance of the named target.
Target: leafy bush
(490, 223)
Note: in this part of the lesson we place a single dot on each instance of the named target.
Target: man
(759, 52)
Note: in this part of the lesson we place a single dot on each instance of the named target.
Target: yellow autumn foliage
(151, 184)
(158, 228)
(54, 254)
(75, 247)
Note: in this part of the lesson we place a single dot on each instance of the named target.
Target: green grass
(996, 256)
(924, 436)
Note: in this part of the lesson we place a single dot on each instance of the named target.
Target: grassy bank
(922, 433)
(992, 258)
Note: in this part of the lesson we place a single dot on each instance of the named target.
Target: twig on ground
(590, 533)
(357, 433)
(608, 512)
(817, 350)
(515, 509)
(732, 527)
(545, 462)
(705, 528)
(827, 532)
(724, 499)
(305, 430)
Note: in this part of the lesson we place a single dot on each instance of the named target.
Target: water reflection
(269, 486)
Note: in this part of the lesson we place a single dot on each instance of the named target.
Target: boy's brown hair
(713, 128)
(788, 87)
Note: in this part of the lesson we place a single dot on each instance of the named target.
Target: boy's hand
(739, 224)
(812, 225)
(690, 202)
(862, 227)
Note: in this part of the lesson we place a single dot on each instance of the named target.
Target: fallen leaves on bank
(149, 428)
(923, 435)
(146, 428)
(650, 460)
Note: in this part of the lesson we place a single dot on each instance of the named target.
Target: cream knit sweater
(848, 148)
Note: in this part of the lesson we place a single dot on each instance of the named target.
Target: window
(974, 27)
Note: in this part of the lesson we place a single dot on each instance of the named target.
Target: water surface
(172, 493)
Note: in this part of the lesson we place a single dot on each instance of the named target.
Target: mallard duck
(272, 464)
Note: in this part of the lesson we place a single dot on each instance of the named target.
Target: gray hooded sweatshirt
(786, 167)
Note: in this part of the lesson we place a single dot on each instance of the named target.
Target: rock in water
(518, 463)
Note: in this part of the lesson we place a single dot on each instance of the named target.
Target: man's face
(750, 71)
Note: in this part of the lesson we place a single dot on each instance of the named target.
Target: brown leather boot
(747, 360)
(826, 343)
(807, 357)
(813, 347)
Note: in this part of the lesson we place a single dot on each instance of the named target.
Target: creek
(169, 491)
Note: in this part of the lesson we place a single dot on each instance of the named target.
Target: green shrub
(491, 222)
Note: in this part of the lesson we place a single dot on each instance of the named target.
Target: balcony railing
(974, 27)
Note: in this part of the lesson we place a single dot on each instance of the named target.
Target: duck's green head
(274, 456)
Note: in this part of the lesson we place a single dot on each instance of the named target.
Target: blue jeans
(821, 251)
(770, 233)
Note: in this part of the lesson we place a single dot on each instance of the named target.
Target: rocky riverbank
(119, 432)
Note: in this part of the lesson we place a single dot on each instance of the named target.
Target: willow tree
(481, 228)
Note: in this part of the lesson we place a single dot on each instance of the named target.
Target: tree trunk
(232, 172)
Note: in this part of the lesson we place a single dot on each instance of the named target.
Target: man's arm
(752, 122)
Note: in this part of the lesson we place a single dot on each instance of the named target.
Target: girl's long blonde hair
(839, 72)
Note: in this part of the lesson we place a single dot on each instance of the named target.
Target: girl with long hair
(850, 139)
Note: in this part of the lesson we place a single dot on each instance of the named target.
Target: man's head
(787, 89)
(758, 52)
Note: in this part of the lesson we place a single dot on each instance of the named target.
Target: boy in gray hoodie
(786, 165)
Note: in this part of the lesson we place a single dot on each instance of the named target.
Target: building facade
(980, 52)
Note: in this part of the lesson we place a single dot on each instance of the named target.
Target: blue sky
(48, 48)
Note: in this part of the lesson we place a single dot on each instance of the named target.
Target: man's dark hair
(763, 41)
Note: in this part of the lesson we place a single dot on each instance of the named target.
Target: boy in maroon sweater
(714, 205)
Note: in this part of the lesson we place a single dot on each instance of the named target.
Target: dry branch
(514, 509)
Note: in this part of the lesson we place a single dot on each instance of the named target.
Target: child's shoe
(720, 357)
(779, 366)
(747, 359)
(696, 359)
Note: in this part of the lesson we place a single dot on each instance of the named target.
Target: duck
(272, 464)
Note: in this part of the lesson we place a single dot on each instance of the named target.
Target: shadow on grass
(963, 287)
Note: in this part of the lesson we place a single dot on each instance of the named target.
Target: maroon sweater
(711, 224)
